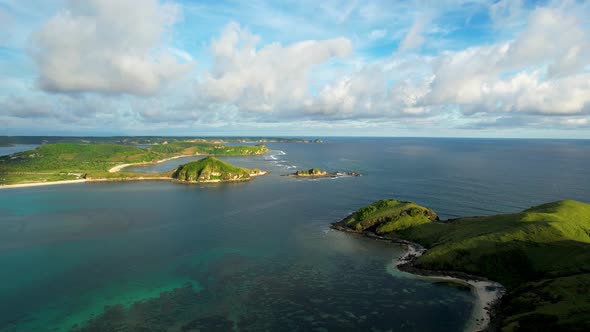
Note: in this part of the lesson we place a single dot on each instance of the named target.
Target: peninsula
(71, 163)
(541, 255)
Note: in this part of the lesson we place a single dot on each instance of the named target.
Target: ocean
(259, 255)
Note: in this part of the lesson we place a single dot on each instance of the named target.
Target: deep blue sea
(259, 255)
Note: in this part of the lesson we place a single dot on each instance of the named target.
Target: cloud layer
(459, 65)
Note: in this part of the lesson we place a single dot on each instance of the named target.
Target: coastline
(118, 168)
(39, 184)
(488, 293)
(96, 180)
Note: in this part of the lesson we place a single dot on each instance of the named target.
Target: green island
(54, 163)
(318, 173)
(541, 255)
(211, 169)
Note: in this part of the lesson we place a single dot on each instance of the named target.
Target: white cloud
(541, 71)
(362, 92)
(536, 73)
(377, 34)
(274, 77)
(112, 46)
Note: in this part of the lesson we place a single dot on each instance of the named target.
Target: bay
(260, 255)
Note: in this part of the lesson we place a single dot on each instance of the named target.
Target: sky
(441, 68)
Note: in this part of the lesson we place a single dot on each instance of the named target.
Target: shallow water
(260, 255)
(6, 150)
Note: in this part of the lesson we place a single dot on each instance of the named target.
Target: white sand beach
(37, 184)
(487, 292)
(118, 168)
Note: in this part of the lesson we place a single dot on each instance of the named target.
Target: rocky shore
(315, 173)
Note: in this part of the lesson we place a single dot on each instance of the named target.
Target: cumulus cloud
(361, 92)
(535, 73)
(538, 72)
(268, 78)
(110, 46)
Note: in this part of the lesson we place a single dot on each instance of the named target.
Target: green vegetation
(542, 256)
(210, 169)
(205, 148)
(311, 172)
(65, 161)
(387, 216)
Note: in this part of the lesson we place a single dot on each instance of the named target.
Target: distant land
(144, 140)
(58, 162)
(541, 255)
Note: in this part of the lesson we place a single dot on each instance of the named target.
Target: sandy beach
(37, 184)
(118, 168)
(487, 292)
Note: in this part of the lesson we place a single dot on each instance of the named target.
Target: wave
(275, 158)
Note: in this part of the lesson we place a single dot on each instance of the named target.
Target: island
(211, 169)
(318, 173)
(530, 270)
(72, 163)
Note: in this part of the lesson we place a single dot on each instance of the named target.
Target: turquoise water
(153, 256)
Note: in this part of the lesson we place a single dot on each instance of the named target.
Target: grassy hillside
(205, 148)
(387, 216)
(542, 256)
(65, 161)
(210, 169)
(545, 241)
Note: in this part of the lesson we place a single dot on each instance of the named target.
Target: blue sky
(363, 68)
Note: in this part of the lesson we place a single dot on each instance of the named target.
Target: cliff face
(210, 169)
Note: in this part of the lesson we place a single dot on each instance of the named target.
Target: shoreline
(39, 184)
(488, 293)
(118, 168)
(97, 180)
